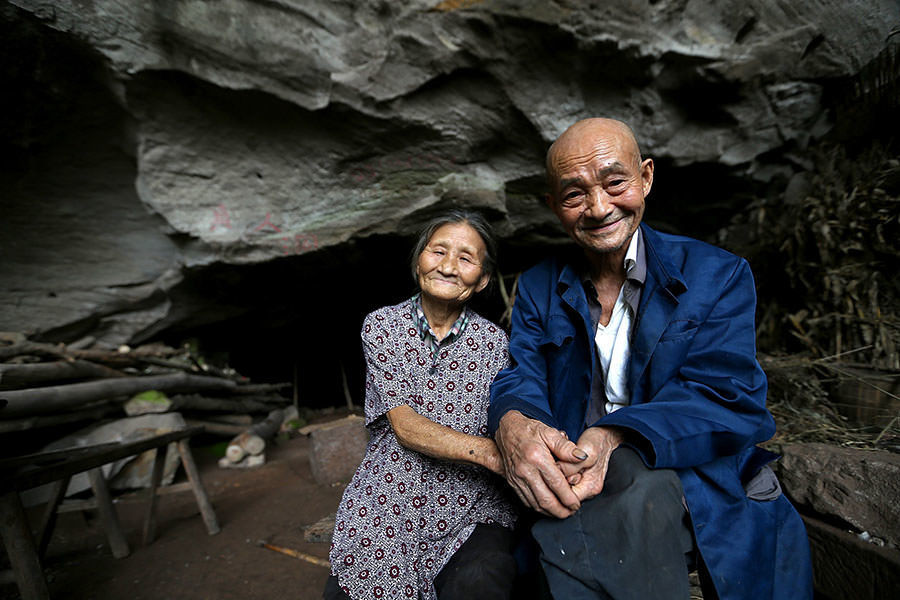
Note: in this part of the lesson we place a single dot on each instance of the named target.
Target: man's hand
(587, 477)
(532, 455)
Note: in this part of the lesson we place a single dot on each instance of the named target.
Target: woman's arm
(421, 434)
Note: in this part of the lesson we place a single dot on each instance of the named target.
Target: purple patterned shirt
(404, 514)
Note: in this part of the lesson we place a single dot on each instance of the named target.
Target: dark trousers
(631, 542)
(483, 567)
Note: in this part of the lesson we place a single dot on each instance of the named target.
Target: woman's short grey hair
(476, 222)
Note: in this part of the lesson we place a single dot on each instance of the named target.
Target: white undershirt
(614, 346)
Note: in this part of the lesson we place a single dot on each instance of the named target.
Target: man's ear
(647, 175)
(548, 200)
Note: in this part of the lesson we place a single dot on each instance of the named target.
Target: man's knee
(637, 503)
(631, 485)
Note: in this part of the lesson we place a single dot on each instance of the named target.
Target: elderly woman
(425, 515)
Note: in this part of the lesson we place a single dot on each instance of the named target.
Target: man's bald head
(587, 132)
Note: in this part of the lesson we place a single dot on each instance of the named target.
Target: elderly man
(629, 415)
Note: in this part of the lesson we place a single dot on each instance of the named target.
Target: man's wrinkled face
(598, 184)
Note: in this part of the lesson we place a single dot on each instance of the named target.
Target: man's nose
(598, 205)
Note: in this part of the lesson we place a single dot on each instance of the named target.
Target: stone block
(860, 487)
(337, 449)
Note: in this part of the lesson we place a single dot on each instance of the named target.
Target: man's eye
(465, 259)
(616, 182)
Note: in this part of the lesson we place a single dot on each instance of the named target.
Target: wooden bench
(25, 472)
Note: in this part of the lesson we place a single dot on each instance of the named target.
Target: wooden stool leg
(159, 463)
(206, 509)
(20, 548)
(108, 516)
(48, 521)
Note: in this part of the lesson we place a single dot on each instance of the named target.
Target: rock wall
(166, 155)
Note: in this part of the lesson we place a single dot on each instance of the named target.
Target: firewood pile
(825, 259)
(45, 386)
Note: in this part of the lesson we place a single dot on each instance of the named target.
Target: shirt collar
(635, 273)
(426, 333)
(636, 258)
(635, 262)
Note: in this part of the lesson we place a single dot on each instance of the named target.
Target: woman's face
(450, 267)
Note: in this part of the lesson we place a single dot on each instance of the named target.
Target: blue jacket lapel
(570, 289)
(659, 300)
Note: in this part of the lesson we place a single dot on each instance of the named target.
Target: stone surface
(846, 567)
(337, 448)
(860, 487)
(154, 145)
(320, 531)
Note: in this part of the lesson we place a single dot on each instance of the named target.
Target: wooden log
(14, 376)
(198, 402)
(253, 441)
(48, 520)
(258, 389)
(159, 462)
(217, 428)
(267, 428)
(56, 398)
(190, 467)
(108, 516)
(89, 414)
(20, 548)
(132, 356)
(244, 444)
(233, 419)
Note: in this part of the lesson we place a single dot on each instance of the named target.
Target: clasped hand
(548, 471)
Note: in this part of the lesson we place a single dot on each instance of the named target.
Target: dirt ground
(273, 502)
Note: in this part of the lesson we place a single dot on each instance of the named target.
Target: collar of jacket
(660, 272)
(659, 299)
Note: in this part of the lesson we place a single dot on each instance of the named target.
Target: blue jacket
(697, 400)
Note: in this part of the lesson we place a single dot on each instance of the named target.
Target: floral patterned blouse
(404, 514)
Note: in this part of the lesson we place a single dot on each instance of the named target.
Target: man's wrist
(509, 417)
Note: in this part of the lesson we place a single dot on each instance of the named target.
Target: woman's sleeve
(388, 382)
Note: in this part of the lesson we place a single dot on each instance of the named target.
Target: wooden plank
(206, 509)
(108, 516)
(93, 456)
(44, 459)
(20, 548)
